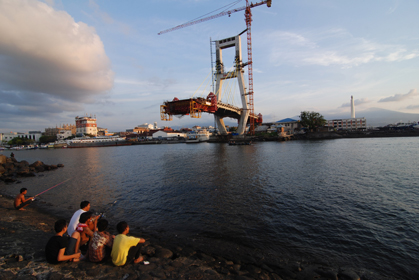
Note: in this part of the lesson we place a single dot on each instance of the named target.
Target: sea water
(344, 202)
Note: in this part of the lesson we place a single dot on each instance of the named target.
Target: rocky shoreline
(11, 168)
(25, 233)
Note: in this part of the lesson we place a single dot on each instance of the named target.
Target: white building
(64, 134)
(6, 137)
(168, 134)
(33, 135)
(347, 124)
(86, 125)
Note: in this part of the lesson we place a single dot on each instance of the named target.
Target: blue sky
(62, 59)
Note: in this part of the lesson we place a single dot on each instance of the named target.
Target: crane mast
(248, 20)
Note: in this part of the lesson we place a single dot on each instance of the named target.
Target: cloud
(333, 47)
(107, 19)
(356, 102)
(45, 52)
(400, 97)
(412, 107)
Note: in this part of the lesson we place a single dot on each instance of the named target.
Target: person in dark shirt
(55, 250)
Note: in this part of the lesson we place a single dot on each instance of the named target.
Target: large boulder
(37, 163)
(9, 166)
(2, 169)
(3, 159)
(23, 164)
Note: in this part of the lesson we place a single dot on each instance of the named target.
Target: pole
(52, 187)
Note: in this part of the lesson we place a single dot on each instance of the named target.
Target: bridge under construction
(194, 107)
(212, 104)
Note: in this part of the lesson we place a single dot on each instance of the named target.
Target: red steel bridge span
(194, 107)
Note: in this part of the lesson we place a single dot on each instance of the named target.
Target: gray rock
(195, 274)
(164, 253)
(158, 274)
(55, 276)
(36, 164)
(346, 274)
(148, 250)
(328, 274)
(3, 159)
(7, 275)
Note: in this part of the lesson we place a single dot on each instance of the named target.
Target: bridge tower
(220, 76)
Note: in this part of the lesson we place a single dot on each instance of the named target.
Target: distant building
(290, 125)
(53, 131)
(347, 124)
(33, 135)
(64, 134)
(86, 125)
(6, 137)
(168, 134)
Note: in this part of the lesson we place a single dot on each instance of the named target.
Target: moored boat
(101, 141)
(197, 136)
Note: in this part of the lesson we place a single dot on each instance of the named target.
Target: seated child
(85, 229)
(125, 248)
(101, 244)
(55, 250)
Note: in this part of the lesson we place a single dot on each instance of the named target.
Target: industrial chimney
(352, 108)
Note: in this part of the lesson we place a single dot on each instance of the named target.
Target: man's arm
(24, 200)
(142, 240)
(61, 257)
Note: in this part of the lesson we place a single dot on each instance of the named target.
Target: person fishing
(20, 201)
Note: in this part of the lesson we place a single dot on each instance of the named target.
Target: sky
(65, 58)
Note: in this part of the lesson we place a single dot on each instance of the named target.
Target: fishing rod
(51, 188)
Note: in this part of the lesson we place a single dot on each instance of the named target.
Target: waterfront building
(64, 134)
(33, 135)
(86, 125)
(6, 137)
(53, 131)
(347, 124)
(162, 134)
(290, 125)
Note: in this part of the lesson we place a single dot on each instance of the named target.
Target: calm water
(347, 202)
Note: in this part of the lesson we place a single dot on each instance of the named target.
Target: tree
(20, 141)
(47, 139)
(312, 120)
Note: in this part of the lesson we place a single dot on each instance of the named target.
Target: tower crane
(248, 20)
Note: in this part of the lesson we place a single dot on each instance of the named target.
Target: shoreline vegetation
(24, 235)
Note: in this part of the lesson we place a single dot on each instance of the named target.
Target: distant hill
(375, 116)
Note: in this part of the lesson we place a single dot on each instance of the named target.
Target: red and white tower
(86, 125)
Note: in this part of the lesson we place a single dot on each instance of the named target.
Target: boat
(60, 144)
(50, 145)
(197, 136)
(100, 141)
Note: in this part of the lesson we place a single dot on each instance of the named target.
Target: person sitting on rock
(84, 207)
(125, 248)
(100, 245)
(59, 247)
(20, 201)
(85, 229)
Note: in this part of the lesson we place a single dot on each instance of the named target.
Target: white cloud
(333, 47)
(400, 97)
(44, 51)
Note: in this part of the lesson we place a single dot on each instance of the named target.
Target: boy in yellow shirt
(125, 248)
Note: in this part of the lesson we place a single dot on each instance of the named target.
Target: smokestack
(352, 108)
